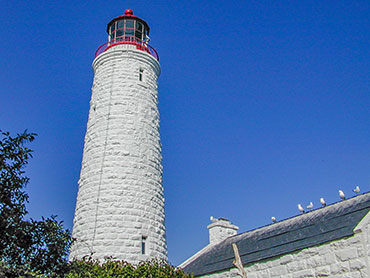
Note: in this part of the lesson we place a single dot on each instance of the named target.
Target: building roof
(307, 230)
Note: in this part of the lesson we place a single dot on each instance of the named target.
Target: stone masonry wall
(120, 198)
(345, 258)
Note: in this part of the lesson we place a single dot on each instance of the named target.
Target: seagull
(213, 219)
(322, 201)
(273, 219)
(356, 190)
(310, 206)
(341, 195)
(301, 209)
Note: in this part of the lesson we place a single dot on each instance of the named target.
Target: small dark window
(143, 245)
(141, 71)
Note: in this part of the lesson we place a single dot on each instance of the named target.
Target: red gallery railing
(128, 40)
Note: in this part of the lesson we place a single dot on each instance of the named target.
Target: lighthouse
(120, 204)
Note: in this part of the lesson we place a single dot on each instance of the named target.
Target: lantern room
(129, 28)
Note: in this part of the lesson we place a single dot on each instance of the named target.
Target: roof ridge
(328, 207)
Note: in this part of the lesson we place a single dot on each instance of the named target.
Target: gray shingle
(310, 229)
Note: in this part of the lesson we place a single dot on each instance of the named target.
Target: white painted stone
(323, 271)
(304, 273)
(278, 270)
(357, 265)
(120, 197)
(286, 259)
(220, 230)
(296, 265)
(347, 254)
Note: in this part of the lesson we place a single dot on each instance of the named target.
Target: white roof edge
(364, 222)
(196, 255)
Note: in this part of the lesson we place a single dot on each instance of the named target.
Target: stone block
(346, 254)
(323, 271)
(304, 274)
(278, 271)
(296, 265)
(339, 268)
(357, 264)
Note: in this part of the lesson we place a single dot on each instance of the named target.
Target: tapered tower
(120, 204)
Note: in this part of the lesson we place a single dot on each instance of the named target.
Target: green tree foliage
(121, 269)
(37, 246)
(19, 272)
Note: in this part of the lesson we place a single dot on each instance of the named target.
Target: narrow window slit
(141, 71)
(143, 245)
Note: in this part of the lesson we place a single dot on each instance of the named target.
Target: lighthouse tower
(120, 205)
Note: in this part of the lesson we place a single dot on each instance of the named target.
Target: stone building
(332, 241)
(120, 204)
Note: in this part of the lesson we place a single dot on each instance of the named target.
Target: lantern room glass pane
(129, 32)
(129, 23)
(139, 26)
(119, 24)
(138, 35)
(119, 33)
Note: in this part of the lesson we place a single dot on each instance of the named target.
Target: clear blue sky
(264, 104)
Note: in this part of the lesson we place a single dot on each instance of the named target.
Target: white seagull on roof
(341, 194)
(213, 219)
(310, 206)
(322, 201)
(356, 190)
(300, 208)
(273, 219)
